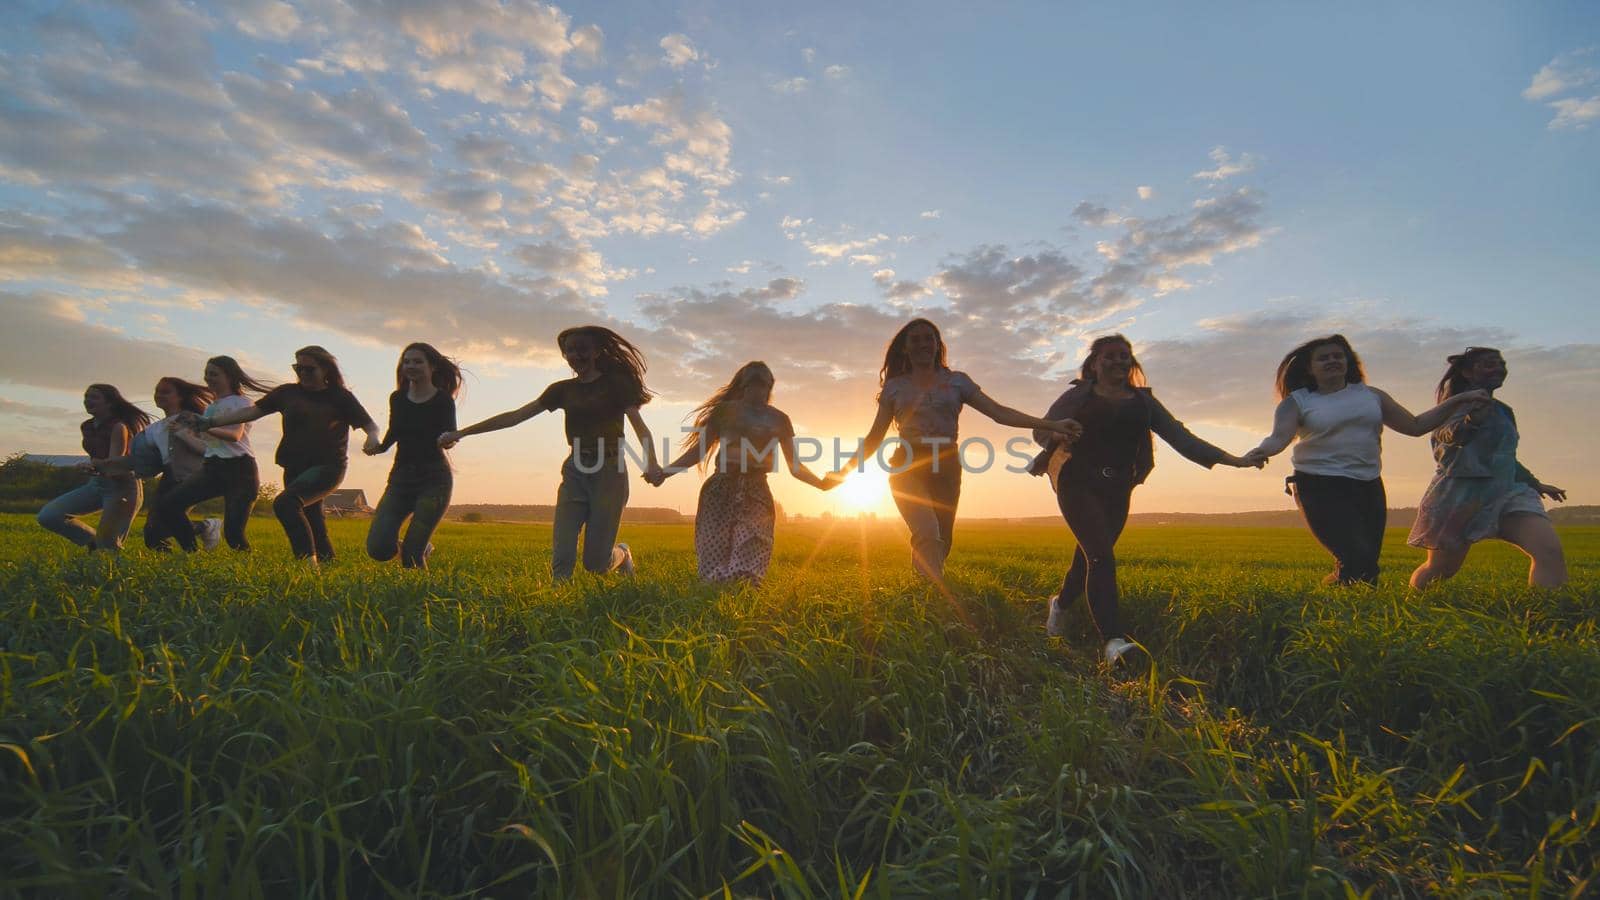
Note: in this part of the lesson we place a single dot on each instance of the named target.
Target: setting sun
(865, 491)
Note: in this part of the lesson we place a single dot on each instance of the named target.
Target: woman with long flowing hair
(228, 466)
(318, 413)
(922, 396)
(1480, 489)
(1336, 420)
(1094, 485)
(108, 432)
(743, 432)
(173, 454)
(606, 387)
(422, 407)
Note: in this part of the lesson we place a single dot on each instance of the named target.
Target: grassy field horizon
(243, 725)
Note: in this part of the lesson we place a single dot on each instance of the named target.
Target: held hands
(1257, 458)
(372, 446)
(449, 439)
(655, 475)
(1551, 491)
(1247, 461)
(833, 479)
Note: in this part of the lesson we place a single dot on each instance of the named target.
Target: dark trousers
(299, 508)
(419, 491)
(1096, 509)
(234, 479)
(1347, 516)
(155, 533)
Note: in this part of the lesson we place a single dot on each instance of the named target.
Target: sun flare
(864, 492)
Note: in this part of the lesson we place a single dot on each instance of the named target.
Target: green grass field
(230, 725)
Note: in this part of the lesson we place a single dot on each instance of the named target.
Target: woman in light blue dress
(1480, 490)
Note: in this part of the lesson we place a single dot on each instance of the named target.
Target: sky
(723, 182)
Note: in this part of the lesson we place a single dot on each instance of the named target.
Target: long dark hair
(331, 376)
(122, 410)
(236, 376)
(708, 416)
(1294, 372)
(897, 362)
(614, 355)
(446, 371)
(192, 397)
(1135, 371)
(1455, 376)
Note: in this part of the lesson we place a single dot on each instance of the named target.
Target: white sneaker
(1055, 625)
(427, 552)
(211, 533)
(626, 566)
(1115, 648)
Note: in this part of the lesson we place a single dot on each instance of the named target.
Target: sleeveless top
(1340, 433)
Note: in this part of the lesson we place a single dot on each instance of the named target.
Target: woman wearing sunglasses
(318, 413)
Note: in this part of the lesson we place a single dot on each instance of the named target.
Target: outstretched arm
(874, 440)
(688, 458)
(494, 423)
(652, 469)
(791, 456)
(213, 423)
(1400, 419)
(1005, 415)
(1285, 422)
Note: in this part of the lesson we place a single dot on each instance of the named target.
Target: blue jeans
(115, 499)
(419, 491)
(590, 502)
(299, 508)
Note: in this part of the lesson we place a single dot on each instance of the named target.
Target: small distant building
(346, 502)
(58, 460)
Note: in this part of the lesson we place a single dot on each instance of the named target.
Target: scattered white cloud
(1226, 165)
(836, 72)
(930, 214)
(678, 51)
(1570, 85)
(794, 85)
(1146, 192)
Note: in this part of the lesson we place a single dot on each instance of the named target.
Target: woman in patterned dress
(922, 396)
(741, 429)
(1480, 490)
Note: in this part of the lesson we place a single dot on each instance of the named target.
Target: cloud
(1146, 192)
(836, 72)
(1569, 85)
(930, 214)
(794, 85)
(678, 51)
(1227, 166)
(1565, 73)
(51, 342)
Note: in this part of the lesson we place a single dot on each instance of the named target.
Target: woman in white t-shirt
(229, 467)
(923, 397)
(1338, 420)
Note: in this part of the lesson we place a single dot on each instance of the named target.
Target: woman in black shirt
(422, 408)
(318, 413)
(607, 386)
(1095, 484)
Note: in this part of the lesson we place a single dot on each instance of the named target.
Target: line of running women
(1097, 439)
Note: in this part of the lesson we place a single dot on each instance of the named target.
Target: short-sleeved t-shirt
(216, 447)
(932, 413)
(316, 424)
(594, 412)
(415, 427)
